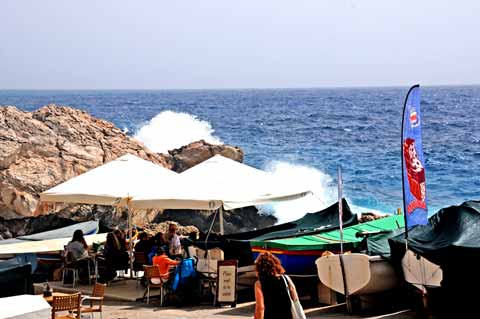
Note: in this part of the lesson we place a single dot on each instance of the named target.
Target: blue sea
(305, 134)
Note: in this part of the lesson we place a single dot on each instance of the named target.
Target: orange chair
(95, 300)
(70, 303)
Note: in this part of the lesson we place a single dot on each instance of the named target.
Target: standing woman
(271, 296)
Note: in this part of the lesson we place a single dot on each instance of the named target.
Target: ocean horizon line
(237, 88)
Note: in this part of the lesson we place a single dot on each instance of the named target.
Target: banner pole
(340, 207)
(403, 164)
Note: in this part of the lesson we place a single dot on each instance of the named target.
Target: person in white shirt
(174, 245)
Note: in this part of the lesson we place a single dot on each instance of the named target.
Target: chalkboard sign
(227, 282)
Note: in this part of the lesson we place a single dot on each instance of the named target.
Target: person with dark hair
(272, 299)
(115, 257)
(156, 242)
(76, 249)
(144, 244)
(76, 252)
(120, 240)
(164, 263)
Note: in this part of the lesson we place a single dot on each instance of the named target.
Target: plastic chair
(96, 297)
(74, 266)
(70, 303)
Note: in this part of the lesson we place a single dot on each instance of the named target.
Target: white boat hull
(363, 274)
(420, 272)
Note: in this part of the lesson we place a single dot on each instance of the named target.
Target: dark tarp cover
(451, 239)
(331, 240)
(377, 245)
(311, 223)
(453, 233)
(237, 246)
(15, 278)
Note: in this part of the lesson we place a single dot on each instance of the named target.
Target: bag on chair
(296, 307)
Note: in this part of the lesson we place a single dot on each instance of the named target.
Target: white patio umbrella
(114, 184)
(220, 182)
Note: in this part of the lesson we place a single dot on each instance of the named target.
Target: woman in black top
(271, 295)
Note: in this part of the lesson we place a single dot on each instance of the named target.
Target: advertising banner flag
(413, 162)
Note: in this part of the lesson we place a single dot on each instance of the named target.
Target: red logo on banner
(413, 118)
(415, 175)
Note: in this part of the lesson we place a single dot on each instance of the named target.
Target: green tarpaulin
(331, 239)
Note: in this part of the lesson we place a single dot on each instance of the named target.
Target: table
(24, 307)
(56, 294)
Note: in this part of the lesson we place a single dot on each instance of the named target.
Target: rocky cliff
(41, 149)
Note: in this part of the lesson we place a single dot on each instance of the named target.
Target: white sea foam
(169, 130)
(323, 186)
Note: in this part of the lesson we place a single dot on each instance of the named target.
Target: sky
(156, 44)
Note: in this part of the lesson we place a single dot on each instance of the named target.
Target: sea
(305, 135)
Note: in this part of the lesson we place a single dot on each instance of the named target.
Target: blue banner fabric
(413, 162)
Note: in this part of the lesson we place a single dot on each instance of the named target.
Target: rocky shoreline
(43, 148)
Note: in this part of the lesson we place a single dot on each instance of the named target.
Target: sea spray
(169, 130)
(321, 184)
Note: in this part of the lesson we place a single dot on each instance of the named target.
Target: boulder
(194, 153)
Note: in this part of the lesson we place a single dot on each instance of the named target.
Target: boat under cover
(298, 254)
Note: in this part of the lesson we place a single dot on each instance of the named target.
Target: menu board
(227, 282)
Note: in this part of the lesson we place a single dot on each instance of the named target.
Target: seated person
(157, 242)
(142, 247)
(164, 263)
(76, 252)
(144, 244)
(77, 248)
(173, 241)
(115, 258)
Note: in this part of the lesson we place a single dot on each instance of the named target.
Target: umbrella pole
(130, 242)
(220, 219)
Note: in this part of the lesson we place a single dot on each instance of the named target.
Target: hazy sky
(237, 44)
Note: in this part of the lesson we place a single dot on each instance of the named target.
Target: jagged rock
(41, 149)
(236, 220)
(370, 216)
(154, 228)
(194, 153)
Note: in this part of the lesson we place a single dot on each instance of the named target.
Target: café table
(24, 307)
(49, 299)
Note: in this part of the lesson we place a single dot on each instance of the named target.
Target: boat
(298, 255)
(447, 248)
(88, 228)
(310, 223)
(238, 246)
(363, 274)
(15, 277)
(45, 248)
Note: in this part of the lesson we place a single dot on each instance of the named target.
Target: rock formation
(41, 149)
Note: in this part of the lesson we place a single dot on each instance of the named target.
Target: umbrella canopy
(113, 183)
(221, 181)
